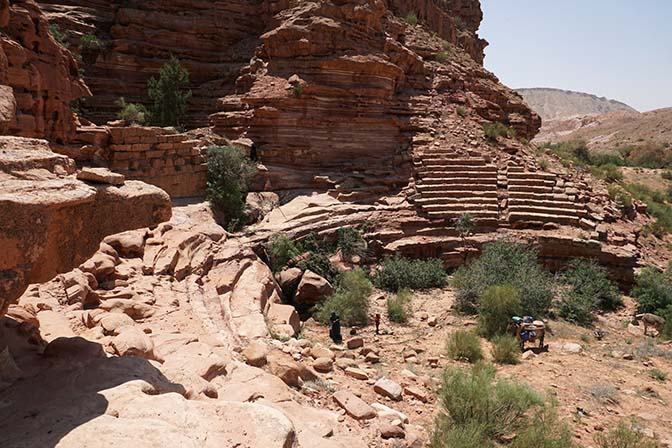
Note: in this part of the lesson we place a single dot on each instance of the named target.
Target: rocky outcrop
(42, 74)
(51, 221)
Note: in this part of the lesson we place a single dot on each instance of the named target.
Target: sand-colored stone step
(453, 194)
(450, 159)
(520, 195)
(530, 189)
(565, 205)
(467, 174)
(456, 181)
(456, 186)
(455, 200)
(544, 210)
(543, 217)
(531, 175)
(448, 165)
(475, 213)
(462, 207)
(531, 182)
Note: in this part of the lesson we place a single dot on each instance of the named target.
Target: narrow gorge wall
(42, 75)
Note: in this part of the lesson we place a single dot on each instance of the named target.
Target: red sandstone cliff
(42, 74)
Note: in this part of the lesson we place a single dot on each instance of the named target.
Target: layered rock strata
(42, 74)
(51, 221)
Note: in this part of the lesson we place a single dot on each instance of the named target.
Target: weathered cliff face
(212, 39)
(51, 222)
(43, 75)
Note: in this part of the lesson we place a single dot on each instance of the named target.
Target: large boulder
(311, 289)
(281, 314)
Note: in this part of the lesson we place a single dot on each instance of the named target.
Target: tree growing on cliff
(229, 175)
(170, 94)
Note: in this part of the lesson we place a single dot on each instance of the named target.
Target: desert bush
(132, 113)
(498, 305)
(461, 111)
(666, 330)
(588, 289)
(412, 18)
(319, 263)
(350, 242)
(464, 346)
(656, 202)
(505, 350)
(229, 173)
(399, 306)
(477, 411)
(58, 35)
(442, 56)
(658, 375)
(607, 158)
(650, 155)
(604, 393)
(505, 263)
(398, 273)
(575, 151)
(652, 291)
(609, 173)
(90, 47)
(279, 250)
(494, 130)
(170, 94)
(624, 437)
(350, 300)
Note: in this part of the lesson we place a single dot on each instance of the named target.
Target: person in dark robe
(335, 328)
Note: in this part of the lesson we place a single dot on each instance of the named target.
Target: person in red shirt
(377, 321)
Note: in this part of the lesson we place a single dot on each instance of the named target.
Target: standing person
(335, 328)
(377, 321)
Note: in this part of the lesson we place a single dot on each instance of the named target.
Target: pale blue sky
(621, 49)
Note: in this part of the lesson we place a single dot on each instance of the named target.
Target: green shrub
(350, 300)
(350, 242)
(543, 164)
(589, 279)
(667, 174)
(505, 350)
(623, 437)
(412, 18)
(498, 305)
(132, 113)
(319, 263)
(58, 35)
(666, 330)
(476, 411)
(620, 196)
(229, 174)
(170, 94)
(658, 375)
(297, 90)
(650, 155)
(575, 151)
(577, 308)
(399, 273)
(399, 306)
(442, 56)
(280, 249)
(609, 173)
(90, 48)
(496, 129)
(505, 263)
(652, 291)
(607, 158)
(464, 346)
(461, 111)
(656, 201)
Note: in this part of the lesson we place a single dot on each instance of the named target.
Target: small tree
(132, 113)
(229, 174)
(465, 226)
(90, 48)
(170, 94)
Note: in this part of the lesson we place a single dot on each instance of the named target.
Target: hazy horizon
(616, 49)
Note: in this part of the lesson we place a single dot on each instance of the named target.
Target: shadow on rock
(73, 388)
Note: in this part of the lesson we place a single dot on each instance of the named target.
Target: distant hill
(554, 104)
(611, 130)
